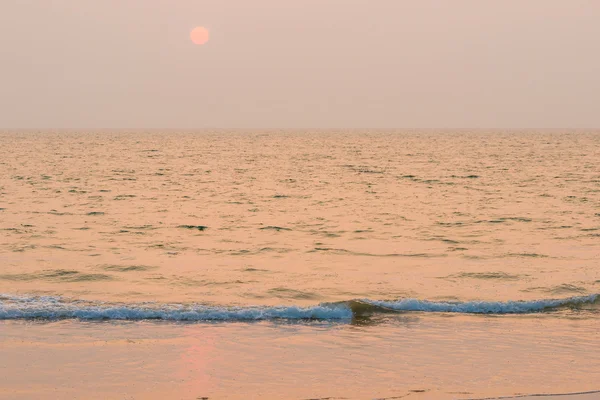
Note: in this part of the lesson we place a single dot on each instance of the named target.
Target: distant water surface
(300, 218)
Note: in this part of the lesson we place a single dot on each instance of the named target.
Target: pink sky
(299, 64)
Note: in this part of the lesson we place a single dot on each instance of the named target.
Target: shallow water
(355, 230)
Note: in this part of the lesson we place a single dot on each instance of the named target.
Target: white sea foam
(482, 307)
(48, 307)
(12, 307)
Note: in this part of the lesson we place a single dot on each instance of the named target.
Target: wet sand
(592, 395)
(420, 356)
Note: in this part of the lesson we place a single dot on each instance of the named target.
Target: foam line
(49, 307)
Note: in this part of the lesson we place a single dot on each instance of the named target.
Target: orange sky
(309, 63)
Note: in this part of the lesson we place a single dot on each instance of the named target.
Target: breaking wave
(49, 307)
(13, 307)
(483, 307)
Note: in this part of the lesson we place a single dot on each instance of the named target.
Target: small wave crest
(50, 307)
(14, 307)
(482, 307)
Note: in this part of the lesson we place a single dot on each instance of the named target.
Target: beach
(299, 264)
(423, 357)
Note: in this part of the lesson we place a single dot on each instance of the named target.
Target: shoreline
(587, 395)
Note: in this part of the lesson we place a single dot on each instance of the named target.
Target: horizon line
(3, 129)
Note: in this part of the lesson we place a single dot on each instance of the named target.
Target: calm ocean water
(323, 224)
(300, 264)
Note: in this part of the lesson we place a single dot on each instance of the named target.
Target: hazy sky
(300, 63)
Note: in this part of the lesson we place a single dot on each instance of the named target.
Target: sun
(199, 35)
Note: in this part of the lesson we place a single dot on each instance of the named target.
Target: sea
(299, 264)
